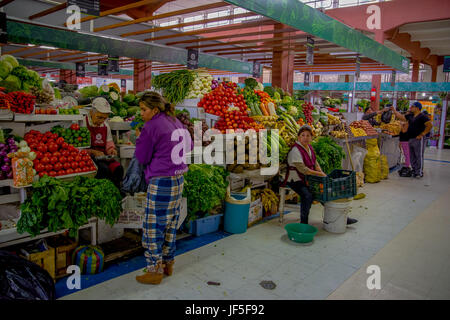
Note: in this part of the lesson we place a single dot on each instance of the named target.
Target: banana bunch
(333, 119)
(255, 194)
(339, 134)
(358, 132)
(265, 118)
(269, 198)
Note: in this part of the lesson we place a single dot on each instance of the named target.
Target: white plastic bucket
(335, 215)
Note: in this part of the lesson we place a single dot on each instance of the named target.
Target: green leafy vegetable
(175, 85)
(329, 154)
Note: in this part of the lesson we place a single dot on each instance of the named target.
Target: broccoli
(270, 91)
(251, 83)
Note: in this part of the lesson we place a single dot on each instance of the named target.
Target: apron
(309, 162)
(98, 142)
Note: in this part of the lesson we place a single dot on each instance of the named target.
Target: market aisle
(241, 262)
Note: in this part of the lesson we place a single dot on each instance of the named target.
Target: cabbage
(9, 58)
(11, 83)
(5, 69)
(89, 91)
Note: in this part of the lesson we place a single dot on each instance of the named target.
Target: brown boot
(153, 276)
(168, 267)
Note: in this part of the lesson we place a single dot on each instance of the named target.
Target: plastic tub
(205, 225)
(300, 232)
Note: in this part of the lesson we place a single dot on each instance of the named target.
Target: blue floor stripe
(443, 161)
(118, 269)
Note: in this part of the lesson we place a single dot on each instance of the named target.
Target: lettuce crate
(205, 225)
(338, 184)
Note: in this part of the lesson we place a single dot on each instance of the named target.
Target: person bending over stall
(301, 162)
(164, 176)
(102, 143)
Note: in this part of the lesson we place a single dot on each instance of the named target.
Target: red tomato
(53, 147)
(53, 160)
(55, 136)
(62, 172)
(80, 138)
(65, 153)
(77, 158)
(45, 160)
(65, 145)
(82, 164)
(48, 134)
(85, 158)
(40, 167)
(42, 148)
(39, 155)
(58, 166)
(57, 154)
(69, 171)
(43, 173)
(70, 159)
(48, 167)
(52, 174)
(74, 154)
(78, 170)
(66, 165)
(74, 165)
(35, 163)
(62, 159)
(71, 148)
(60, 141)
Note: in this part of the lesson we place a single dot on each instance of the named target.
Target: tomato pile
(307, 110)
(55, 157)
(22, 102)
(220, 99)
(236, 120)
(46, 111)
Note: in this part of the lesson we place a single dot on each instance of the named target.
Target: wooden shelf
(46, 118)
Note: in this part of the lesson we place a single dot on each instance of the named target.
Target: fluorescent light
(341, 53)
(46, 47)
(423, 94)
(350, 95)
(431, 98)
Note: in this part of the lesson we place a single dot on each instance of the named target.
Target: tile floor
(403, 228)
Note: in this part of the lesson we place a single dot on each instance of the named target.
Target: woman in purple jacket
(164, 171)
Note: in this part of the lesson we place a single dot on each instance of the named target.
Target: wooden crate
(45, 259)
(63, 258)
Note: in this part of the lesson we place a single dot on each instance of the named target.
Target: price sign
(113, 64)
(80, 69)
(103, 68)
(310, 50)
(256, 69)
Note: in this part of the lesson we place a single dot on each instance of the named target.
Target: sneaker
(418, 176)
(351, 221)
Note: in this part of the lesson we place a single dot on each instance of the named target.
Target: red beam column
(142, 77)
(415, 76)
(69, 76)
(434, 73)
(283, 64)
(376, 78)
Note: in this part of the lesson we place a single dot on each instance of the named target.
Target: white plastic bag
(358, 155)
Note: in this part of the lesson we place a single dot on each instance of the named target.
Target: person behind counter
(302, 161)
(165, 184)
(102, 142)
(370, 115)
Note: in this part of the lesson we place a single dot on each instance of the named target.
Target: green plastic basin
(300, 232)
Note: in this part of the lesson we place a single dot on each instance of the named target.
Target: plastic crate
(338, 184)
(205, 225)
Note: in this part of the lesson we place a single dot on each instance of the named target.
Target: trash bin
(237, 208)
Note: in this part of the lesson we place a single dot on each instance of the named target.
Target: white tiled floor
(403, 228)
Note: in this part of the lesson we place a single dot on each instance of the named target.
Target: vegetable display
(329, 154)
(76, 136)
(22, 102)
(14, 77)
(235, 119)
(59, 205)
(9, 146)
(184, 118)
(175, 85)
(219, 100)
(201, 85)
(55, 157)
(205, 187)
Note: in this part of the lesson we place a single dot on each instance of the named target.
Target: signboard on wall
(306, 82)
(447, 64)
(310, 50)
(80, 69)
(192, 59)
(84, 80)
(256, 69)
(123, 85)
(103, 68)
(113, 64)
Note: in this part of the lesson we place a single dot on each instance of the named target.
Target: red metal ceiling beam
(48, 11)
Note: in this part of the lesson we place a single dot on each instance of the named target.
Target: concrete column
(283, 65)
(142, 76)
(415, 76)
(376, 83)
(69, 76)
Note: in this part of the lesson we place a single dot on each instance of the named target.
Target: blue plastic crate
(205, 225)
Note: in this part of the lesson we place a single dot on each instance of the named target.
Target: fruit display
(5, 100)
(301, 122)
(333, 119)
(394, 128)
(9, 146)
(269, 199)
(317, 129)
(56, 157)
(267, 104)
(269, 122)
(358, 132)
(339, 134)
(22, 102)
(45, 111)
(365, 125)
(42, 96)
(289, 129)
(219, 100)
(74, 135)
(244, 156)
(201, 85)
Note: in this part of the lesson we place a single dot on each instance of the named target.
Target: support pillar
(376, 83)
(69, 76)
(415, 76)
(443, 123)
(142, 77)
(283, 64)
(434, 73)
(316, 93)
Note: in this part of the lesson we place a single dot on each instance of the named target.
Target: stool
(283, 200)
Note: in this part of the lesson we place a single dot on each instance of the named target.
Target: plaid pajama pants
(161, 218)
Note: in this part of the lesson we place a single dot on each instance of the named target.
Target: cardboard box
(255, 213)
(237, 184)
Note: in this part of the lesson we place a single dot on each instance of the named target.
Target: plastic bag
(372, 147)
(386, 117)
(134, 178)
(21, 279)
(384, 167)
(372, 168)
(358, 155)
